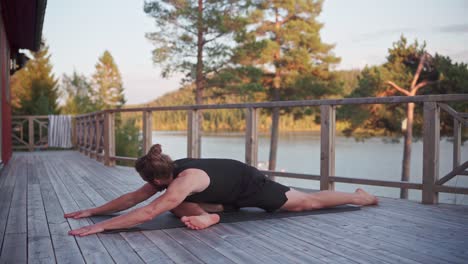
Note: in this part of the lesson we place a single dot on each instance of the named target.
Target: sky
(78, 33)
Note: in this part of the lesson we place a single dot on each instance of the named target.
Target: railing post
(147, 131)
(327, 146)
(31, 133)
(98, 135)
(92, 145)
(251, 137)
(109, 139)
(431, 140)
(457, 129)
(193, 134)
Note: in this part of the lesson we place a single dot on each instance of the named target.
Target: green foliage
(194, 37)
(127, 141)
(107, 83)
(34, 88)
(280, 53)
(79, 94)
(440, 72)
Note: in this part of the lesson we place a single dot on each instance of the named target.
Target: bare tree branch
(398, 88)
(418, 72)
(421, 85)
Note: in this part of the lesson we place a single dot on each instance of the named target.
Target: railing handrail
(297, 103)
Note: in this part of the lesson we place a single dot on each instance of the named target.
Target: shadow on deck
(37, 188)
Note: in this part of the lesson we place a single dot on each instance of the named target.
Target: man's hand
(79, 214)
(87, 230)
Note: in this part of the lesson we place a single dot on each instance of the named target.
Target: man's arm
(193, 180)
(119, 204)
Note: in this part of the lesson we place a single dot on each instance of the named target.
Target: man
(198, 189)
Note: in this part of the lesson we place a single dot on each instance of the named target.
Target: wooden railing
(96, 138)
(30, 132)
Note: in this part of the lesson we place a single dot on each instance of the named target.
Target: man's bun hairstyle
(154, 165)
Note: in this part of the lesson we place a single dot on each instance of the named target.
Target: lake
(300, 152)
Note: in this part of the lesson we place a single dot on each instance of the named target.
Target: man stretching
(198, 189)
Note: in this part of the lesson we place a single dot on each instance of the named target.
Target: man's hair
(154, 165)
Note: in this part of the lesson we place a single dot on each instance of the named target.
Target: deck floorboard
(37, 188)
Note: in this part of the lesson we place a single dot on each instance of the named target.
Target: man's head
(155, 167)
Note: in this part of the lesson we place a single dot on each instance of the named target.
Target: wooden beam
(395, 184)
(457, 131)
(31, 133)
(327, 146)
(114, 158)
(251, 137)
(457, 171)
(98, 135)
(284, 104)
(453, 113)
(147, 131)
(193, 134)
(109, 139)
(450, 189)
(431, 142)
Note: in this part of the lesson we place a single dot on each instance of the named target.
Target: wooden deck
(37, 188)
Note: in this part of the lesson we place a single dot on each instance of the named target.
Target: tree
(107, 82)
(79, 94)
(409, 57)
(281, 53)
(34, 88)
(407, 65)
(193, 37)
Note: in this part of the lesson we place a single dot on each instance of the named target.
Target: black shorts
(270, 196)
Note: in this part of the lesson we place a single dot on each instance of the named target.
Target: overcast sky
(78, 32)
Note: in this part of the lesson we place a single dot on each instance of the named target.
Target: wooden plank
(431, 139)
(292, 175)
(457, 129)
(396, 184)
(39, 241)
(193, 134)
(251, 137)
(294, 249)
(147, 251)
(451, 189)
(115, 244)
(196, 247)
(98, 136)
(298, 103)
(216, 242)
(381, 228)
(8, 180)
(147, 131)
(31, 133)
(65, 247)
(91, 246)
(327, 146)
(348, 227)
(109, 139)
(171, 248)
(14, 248)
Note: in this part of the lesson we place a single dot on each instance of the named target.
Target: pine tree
(107, 82)
(193, 37)
(79, 94)
(34, 88)
(282, 53)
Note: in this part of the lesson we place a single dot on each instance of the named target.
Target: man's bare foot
(200, 221)
(366, 198)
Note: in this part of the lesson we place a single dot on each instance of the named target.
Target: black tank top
(230, 180)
